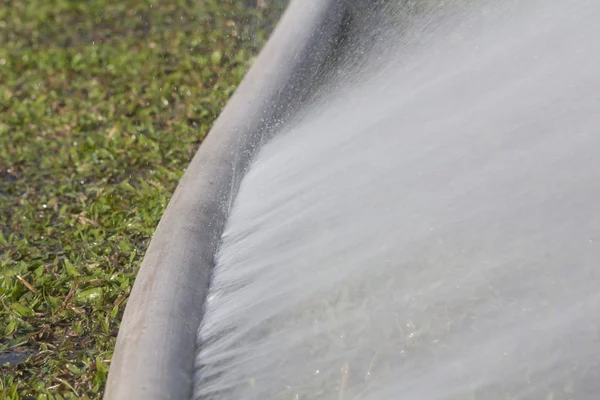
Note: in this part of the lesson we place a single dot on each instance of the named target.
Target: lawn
(102, 105)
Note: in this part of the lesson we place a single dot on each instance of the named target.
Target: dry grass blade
(27, 284)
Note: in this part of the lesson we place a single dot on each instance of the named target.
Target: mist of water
(431, 228)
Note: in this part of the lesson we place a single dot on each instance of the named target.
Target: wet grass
(102, 105)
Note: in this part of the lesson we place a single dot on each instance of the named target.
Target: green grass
(102, 105)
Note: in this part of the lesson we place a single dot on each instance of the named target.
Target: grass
(102, 105)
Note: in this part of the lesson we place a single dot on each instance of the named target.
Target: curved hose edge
(155, 349)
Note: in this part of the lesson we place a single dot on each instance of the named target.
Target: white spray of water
(431, 231)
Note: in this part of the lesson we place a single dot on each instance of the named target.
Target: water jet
(398, 203)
